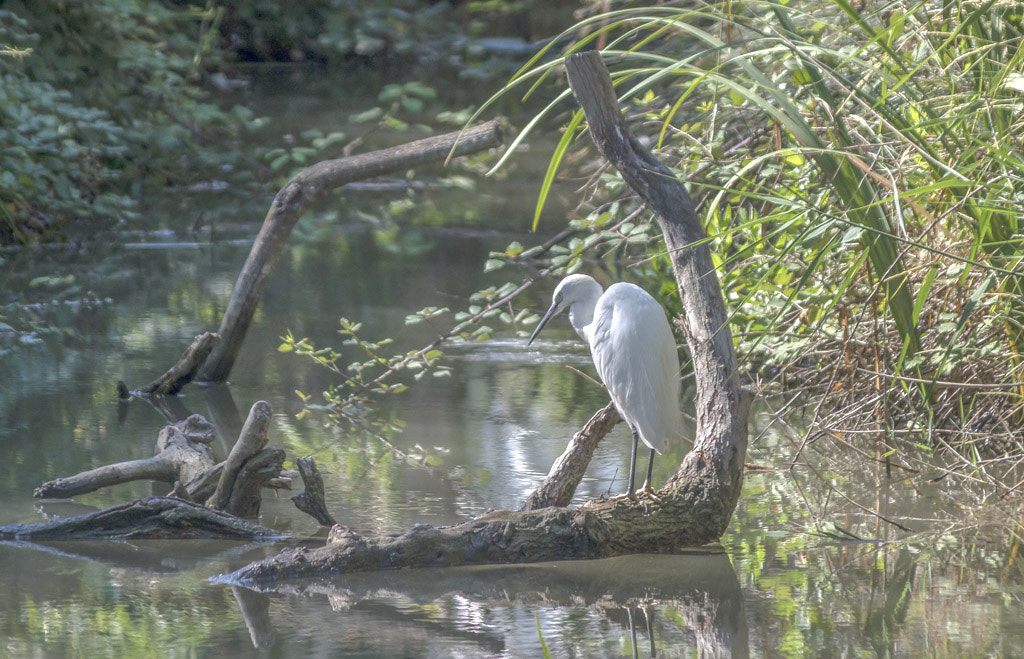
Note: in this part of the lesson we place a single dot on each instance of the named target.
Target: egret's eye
(558, 299)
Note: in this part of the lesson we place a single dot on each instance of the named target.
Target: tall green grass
(860, 169)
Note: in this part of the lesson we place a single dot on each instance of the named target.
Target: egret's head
(571, 290)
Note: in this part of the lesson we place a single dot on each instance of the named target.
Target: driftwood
(311, 500)
(299, 195)
(692, 509)
(183, 459)
(152, 517)
(171, 382)
(182, 455)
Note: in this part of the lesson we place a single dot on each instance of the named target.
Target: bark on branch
(299, 195)
(250, 442)
(693, 508)
(311, 500)
(567, 472)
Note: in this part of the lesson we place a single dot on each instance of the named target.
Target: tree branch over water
(693, 508)
(299, 195)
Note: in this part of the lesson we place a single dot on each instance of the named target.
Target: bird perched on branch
(635, 354)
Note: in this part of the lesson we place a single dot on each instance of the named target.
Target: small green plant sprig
(376, 373)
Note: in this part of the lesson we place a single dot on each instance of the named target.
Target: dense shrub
(101, 100)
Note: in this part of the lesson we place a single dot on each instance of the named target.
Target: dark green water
(782, 583)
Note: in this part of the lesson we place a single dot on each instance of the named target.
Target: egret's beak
(552, 312)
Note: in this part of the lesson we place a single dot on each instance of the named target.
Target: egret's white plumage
(634, 352)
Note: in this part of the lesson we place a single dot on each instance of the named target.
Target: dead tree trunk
(721, 443)
(693, 508)
(299, 195)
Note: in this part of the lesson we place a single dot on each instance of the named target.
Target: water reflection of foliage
(816, 593)
(139, 616)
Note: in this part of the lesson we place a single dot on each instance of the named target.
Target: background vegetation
(858, 168)
(100, 102)
(859, 171)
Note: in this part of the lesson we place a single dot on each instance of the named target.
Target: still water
(812, 563)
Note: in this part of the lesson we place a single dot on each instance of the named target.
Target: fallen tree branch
(182, 455)
(183, 459)
(299, 195)
(567, 472)
(152, 517)
(171, 382)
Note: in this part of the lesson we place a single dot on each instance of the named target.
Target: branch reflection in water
(698, 589)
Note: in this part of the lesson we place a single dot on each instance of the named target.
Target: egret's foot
(647, 492)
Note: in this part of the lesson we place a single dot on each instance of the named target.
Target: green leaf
(413, 105)
(390, 93)
(373, 114)
(556, 159)
(922, 293)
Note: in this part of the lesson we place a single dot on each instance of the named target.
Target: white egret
(635, 354)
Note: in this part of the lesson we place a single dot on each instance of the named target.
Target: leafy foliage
(335, 29)
(101, 102)
(864, 224)
(858, 170)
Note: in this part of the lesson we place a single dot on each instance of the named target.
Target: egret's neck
(581, 314)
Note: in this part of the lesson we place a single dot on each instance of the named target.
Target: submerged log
(692, 509)
(152, 517)
(299, 195)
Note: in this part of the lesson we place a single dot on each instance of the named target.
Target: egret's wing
(635, 355)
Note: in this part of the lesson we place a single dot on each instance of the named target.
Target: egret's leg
(650, 470)
(632, 462)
